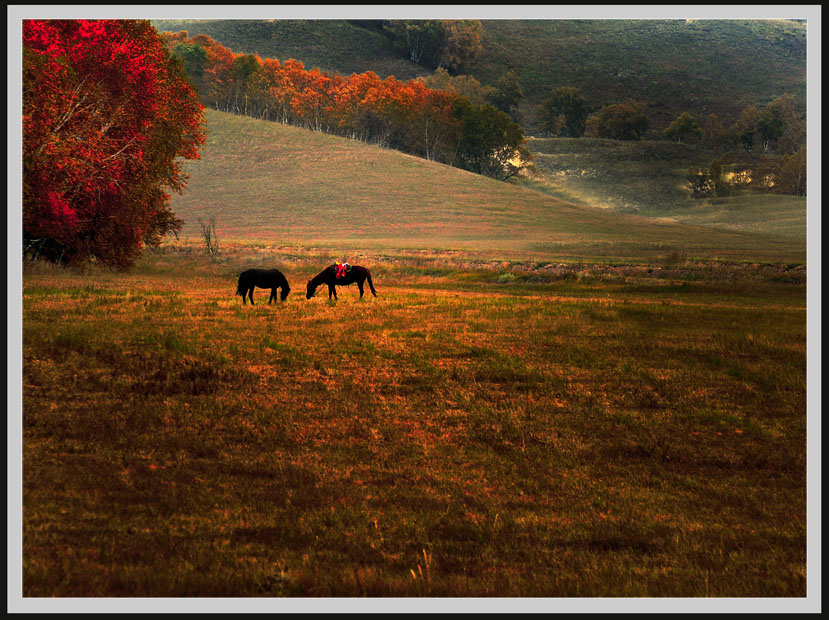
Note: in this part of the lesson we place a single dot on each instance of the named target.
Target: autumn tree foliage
(438, 118)
(776, 128)
(767, 141)
(107, 115)
(194, 60)
(745, 129)
(780, 128)
(791, 176)
(462, 44)
(713, 133)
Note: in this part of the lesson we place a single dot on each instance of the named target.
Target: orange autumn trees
(107, 115)
(408, 116)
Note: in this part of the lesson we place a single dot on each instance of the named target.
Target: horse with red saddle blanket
(340, 274)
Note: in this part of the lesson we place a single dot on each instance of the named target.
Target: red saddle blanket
(340, 269)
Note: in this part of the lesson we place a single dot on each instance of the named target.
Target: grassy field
(279, 185)
(648, 178)
(486, 428)
(544, 400)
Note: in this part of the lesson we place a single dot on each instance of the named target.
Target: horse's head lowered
(310, 290)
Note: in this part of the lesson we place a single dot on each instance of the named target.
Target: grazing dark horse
(263, 278)
(355, 274)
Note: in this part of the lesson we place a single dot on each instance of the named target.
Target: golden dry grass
(597, 434)
(278, 185)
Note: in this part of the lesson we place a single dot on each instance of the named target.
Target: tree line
(764, 147)
(439, 125)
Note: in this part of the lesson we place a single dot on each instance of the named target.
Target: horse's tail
(370, 283)
(239, 290)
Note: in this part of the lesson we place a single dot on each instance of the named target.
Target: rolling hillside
(334, 46)
(699, 66)
(649, 178)
(275, 184)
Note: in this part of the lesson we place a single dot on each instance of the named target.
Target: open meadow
(545, 399)
(481, 428)
(577, 375)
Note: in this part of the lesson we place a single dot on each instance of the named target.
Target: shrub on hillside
(449, 43)
(565, 112)
(621, 121)
(684, 128)
(491, 143)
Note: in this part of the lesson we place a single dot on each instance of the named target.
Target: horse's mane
(320, 277)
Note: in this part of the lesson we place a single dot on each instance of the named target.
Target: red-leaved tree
(107, 116)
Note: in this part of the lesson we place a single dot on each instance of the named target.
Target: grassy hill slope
(276, 184)
(648, 178)
(700, 66)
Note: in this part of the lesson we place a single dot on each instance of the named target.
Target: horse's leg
(360, 286)
(332, 289)
(250, 294)
(273, 296)
(244, 296)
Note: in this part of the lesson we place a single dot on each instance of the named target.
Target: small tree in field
(107, 113)
(717, 174)
(211, 238)
(463, 85)
(683, 128)
(713, 134)
(699, 181)
(792, 175)
(620, 121)
(745, 130)
(491, 143)
(462, 43)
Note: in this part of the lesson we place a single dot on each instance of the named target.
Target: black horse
(356, 274)
(263, 278)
